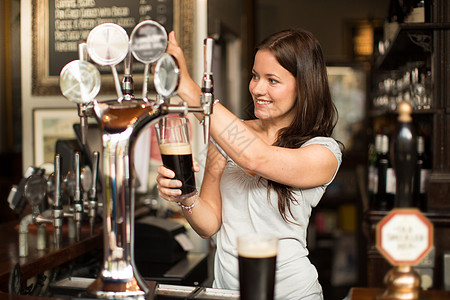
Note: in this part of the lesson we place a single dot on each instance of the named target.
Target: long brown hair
(299, 52)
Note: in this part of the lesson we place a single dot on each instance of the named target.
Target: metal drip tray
(73, 287)
(166, 291)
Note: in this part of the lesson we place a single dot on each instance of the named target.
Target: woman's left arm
(308, 166)
(305, 167)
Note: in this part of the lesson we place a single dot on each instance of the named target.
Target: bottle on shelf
(417, 11)
(394, 17)
(386, 178)
(372, 185)
(421, 174)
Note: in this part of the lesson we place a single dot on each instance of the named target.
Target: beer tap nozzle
(207, 96)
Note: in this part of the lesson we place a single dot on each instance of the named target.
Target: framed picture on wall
(50, 125)
(58, 27)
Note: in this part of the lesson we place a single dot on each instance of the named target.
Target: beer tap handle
(83, 56)
(35, 191)
(208, 55)
(93, 192)
(127, 81)
(83, 122)
(112, 50)
(207, 87)
(86, 184)
(82, 52)
(78, 207)
(145, 83)
(95, 163)
(405, 156)
(57, 194)
(77, 194)
(207, 81)
(57, 206)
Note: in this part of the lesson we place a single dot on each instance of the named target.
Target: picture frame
(50, 125)
(347, 82)
(46, 65)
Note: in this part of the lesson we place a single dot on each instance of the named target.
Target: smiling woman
(265, 175)
(273, 89)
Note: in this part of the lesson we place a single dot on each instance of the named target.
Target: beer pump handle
(93, 192)
(405, 154)
(57, 195)
(127, 81)
(78, 206)
(83, 56)
(77, 196)
(207, 87)
(58, 213)
(95, 163)
(208, 56)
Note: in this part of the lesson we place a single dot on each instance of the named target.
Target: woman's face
(273, 88)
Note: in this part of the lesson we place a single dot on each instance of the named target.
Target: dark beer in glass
(176, 152)
(178, 158)
(257, 265)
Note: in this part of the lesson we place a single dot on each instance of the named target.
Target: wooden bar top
(39, 261)
(5, 296)
(358, 293)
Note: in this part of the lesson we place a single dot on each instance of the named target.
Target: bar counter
(39, 261)
(372, 293)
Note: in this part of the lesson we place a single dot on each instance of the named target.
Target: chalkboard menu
(59, 26)
(70, 21)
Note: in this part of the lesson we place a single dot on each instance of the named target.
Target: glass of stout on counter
(257, 264)
(176, 152)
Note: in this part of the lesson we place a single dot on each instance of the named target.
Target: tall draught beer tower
(121, 124)
(121, 120)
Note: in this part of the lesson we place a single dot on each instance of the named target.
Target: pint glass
(176, 152)
(257, 265)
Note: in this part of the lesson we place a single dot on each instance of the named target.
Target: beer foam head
(257, 245)
(175, 148)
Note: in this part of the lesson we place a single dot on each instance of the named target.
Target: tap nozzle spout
(207, 97)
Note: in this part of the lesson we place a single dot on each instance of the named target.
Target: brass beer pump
(121, 120)
(404, 227)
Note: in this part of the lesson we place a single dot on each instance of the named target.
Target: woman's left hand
(188, 90)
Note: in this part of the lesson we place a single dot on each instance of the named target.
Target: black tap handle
(405, 156)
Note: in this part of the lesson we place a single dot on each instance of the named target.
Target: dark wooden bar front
(372, 293)
(39, 261)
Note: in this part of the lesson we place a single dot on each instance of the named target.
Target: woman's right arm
(206, 216)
